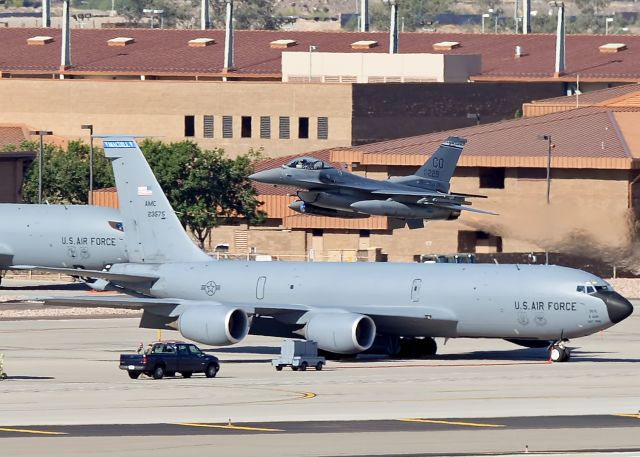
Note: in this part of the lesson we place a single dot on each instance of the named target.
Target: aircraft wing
(405, 320)
(106, 275)
(409, 192)
(464, 208)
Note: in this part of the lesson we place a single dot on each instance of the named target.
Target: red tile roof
(11, 136)
(592, 97)
(585, 132)
(166, 52)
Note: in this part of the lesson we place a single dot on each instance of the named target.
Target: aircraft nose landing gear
(558, 352)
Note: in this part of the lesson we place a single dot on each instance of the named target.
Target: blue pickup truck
(166, 358)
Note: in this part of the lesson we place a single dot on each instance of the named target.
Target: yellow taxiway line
(34, 432)
(633, 416)
(467, 424)
(232, 427)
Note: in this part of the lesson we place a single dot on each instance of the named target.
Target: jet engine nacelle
(341, 333)
(214, 325)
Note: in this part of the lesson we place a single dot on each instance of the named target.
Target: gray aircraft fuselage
(486, 300)
(88, 237)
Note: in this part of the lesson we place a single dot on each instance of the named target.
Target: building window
(208, 126)
(323, 128)
(189, 126)
(265, 127)
(492, 178)
(245, 130)
(285, 128)
(478, 242)
(227, 126)
(303, 127)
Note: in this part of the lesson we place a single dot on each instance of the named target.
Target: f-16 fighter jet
(330, 191)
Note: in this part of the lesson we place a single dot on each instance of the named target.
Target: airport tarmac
(478, 396)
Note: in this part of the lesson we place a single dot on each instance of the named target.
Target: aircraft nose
(272, 176)
(618, 307)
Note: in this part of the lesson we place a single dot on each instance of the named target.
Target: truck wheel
(134, 374)
(186, 374)
(278, 367)
(303, 366)
(294, 368)
(158, 372)
(319, 366)
(211, 371)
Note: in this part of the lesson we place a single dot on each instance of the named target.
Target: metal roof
(167, 52)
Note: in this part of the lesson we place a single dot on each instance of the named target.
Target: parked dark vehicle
(167, 358)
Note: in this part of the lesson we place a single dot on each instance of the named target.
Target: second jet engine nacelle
(342, 333)
(214, 325)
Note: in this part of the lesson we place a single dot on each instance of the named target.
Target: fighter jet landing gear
(558, 352)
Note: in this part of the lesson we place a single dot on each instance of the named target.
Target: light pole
(42, 134)
(90, 128)
(547, 138)
(484, 16)
(312, 49)
(606, 25)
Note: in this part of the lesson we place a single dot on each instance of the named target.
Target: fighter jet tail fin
(152, 230)
(442, 163)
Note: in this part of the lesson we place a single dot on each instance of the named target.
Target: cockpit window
(592, 288)
(308, 163)
(116, 225)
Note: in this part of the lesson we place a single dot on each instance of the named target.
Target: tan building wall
(158, 108)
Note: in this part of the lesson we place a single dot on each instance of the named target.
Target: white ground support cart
(299, 355)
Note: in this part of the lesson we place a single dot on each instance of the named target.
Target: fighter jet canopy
(308, 163)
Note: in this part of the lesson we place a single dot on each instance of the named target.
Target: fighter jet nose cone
(266, 176)
(618, 307)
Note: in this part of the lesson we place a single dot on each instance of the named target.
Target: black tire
(294, 368)
(134, 374)
(212, 370)
(303, 366)
(158, 372)
(186, 374)
(558, 354)
(278, 367)
(319, 366)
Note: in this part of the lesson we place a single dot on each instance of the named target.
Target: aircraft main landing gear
(559, 353)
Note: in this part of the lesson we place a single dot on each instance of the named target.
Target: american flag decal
(144, 191)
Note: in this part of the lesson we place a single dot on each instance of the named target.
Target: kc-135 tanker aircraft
(70, 236)
(345, 307)
(333, 192)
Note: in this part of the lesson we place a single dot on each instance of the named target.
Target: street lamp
(550, 145)
(312, 49)
(606, 25)
(90, 128)
(484, 16)
(42, 134)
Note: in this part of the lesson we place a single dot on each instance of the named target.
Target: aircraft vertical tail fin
(441, 165)
(152, 229)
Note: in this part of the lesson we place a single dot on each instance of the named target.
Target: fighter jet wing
(115, 277)
(463, 208)
(409, 192)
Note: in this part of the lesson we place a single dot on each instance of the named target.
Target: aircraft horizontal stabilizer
(116, 277)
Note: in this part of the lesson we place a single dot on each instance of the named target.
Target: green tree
(65, 177)
(248, 14)
(413, 14)
(205, 187)
(174, 13)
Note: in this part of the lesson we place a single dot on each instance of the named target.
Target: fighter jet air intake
(346, 308)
